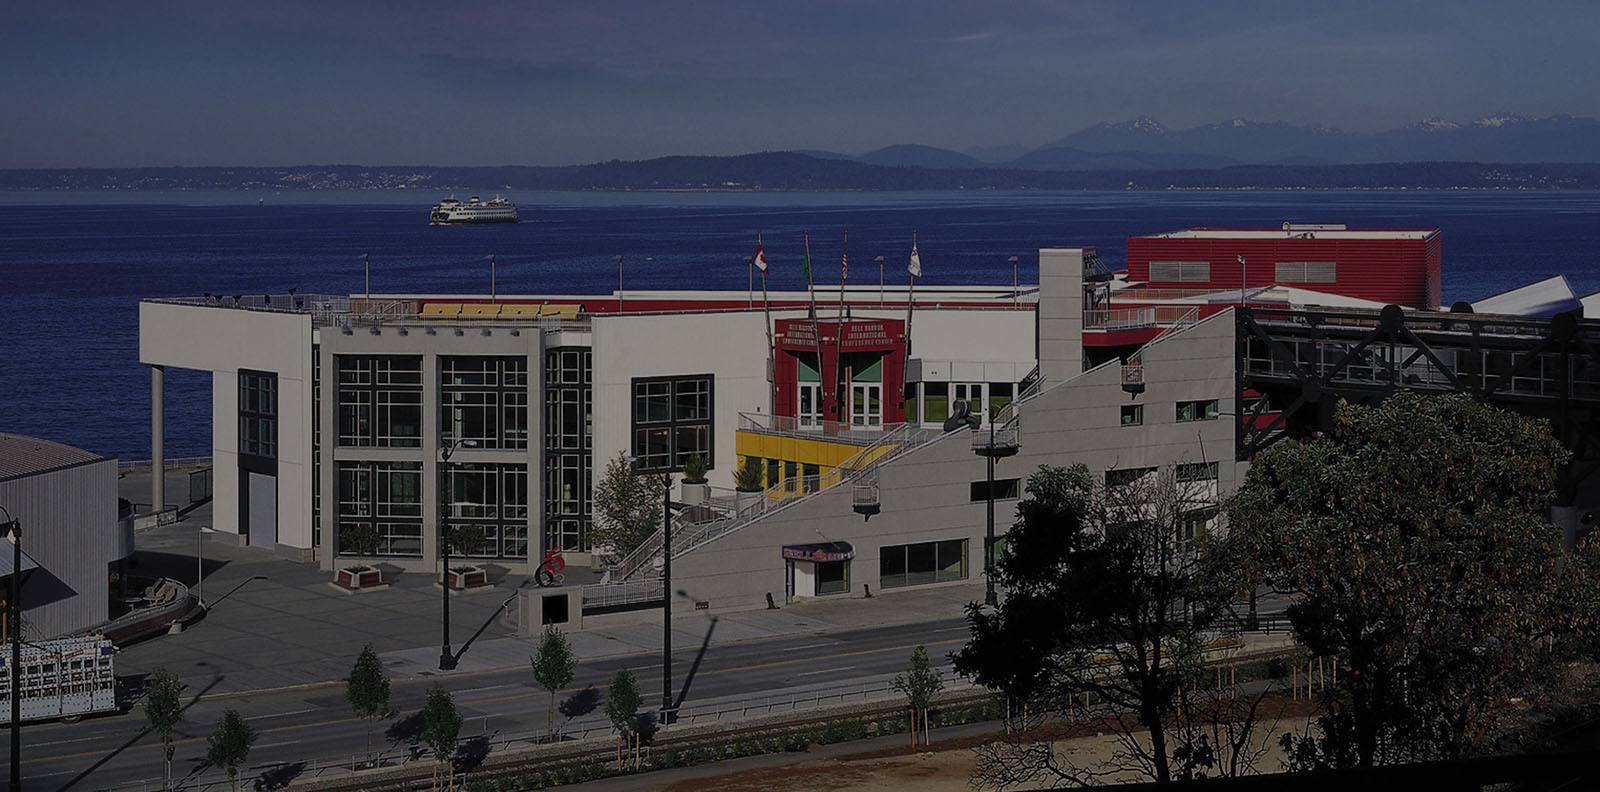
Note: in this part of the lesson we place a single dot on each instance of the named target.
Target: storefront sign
(819, 553)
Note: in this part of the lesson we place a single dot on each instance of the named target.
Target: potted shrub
(696, 490)
(750, 486)
(462, 575)
(361, 540)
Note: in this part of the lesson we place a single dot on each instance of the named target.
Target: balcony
(832, 431)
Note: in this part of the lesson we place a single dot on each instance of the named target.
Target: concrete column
(158, 430)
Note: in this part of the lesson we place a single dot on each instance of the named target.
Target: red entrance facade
(850, 372)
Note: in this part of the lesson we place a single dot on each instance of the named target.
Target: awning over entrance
(819, 552)
(5, 559)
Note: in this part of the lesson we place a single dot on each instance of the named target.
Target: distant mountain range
(1146, 143)
(1500, 151)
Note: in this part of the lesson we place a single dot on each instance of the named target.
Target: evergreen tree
(367, 689)
(553, 667)
(920, 683)
(163, 708)
(441, 729)
(229, 745)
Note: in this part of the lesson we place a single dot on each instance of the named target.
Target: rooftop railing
(809, 429)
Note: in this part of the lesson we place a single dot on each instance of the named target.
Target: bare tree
(1113, 595)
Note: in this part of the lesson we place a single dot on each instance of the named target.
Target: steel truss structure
(1293, 366)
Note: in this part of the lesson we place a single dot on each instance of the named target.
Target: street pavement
(278, 640)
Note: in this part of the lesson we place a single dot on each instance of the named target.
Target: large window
(380, 401)
(258, 413)
(1306, 272)
(1183, 271)
(1004, 489)
(490, 502)
(484, 399)
(1204, 410)
(926, 562)
(1122, 477)
(568, 437)
(833, 577)
(672, 421)
(385, 498)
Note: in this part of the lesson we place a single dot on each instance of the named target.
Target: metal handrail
(832, 431)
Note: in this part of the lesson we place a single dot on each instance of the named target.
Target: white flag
(915, 267)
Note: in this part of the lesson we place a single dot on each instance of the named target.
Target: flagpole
(750, 287)
(491, 278)
(880, 281)
(619, 283)
(368, 261)
(766, 318)
(911, 294)
(816, 324)
(839, 384)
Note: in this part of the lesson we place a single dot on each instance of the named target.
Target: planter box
(357, 580)
(460, 578)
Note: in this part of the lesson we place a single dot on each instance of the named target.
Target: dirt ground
(945, 767)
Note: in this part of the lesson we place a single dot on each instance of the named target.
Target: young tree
(622, 706)
(367, 689)
(920, 683)
(441, 730)
(229, 745)
(1414, 536)
(627, 506)
(163, 708)
(1107, 596)
(553, 667)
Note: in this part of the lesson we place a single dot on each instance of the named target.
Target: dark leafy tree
(553, 667)
(622, 706)
(627, 506)
(1415, 537)
(163, 708)
(441, 730)
(228, 746)
(367, 690)
(1108, 592)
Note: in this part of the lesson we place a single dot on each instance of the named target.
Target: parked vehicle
(66, 678)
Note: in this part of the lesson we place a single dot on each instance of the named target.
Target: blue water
(75, 265)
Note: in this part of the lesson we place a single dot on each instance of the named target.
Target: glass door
(810, 410)
(866, 404)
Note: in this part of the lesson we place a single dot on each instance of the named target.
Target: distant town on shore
(791, 171)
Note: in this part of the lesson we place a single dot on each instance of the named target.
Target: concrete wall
(222, 341)
(69, 525)
(1061, 313)
(443, 341)
(926, 496)
(731, 347)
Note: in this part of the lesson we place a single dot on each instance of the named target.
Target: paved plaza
(274, 623)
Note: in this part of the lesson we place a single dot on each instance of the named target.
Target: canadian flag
(761, 258)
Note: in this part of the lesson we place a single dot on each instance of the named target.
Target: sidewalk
(275, 623)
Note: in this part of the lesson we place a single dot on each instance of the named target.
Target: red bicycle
(549, 573)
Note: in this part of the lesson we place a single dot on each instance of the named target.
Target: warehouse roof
(28, 456)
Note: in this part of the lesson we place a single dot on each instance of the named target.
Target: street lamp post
(15, 527)
(995, 448)
(200, 565)
(447, 658)
(666, 598)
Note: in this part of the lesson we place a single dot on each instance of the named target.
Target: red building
(1387, 265)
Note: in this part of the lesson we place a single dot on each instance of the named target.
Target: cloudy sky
(89, 83)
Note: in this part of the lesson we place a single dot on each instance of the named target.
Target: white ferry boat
(451, 211)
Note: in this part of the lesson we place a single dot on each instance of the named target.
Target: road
(315, 722)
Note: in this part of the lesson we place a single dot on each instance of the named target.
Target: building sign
(819, 553)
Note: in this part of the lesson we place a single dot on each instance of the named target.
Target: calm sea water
(75, 265)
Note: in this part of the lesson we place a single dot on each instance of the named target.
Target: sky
(90, 83)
